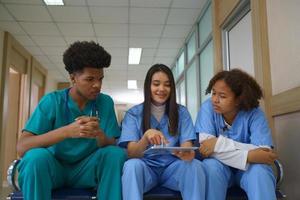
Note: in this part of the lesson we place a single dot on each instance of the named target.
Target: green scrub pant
(40, 172)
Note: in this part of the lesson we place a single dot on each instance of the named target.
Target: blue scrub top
(54, 112)
(132, 131)
(249, 127)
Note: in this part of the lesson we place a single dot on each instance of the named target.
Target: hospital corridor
(149, 99)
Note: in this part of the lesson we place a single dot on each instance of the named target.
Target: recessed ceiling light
(54, 2)
(134, 56)
(131, 84)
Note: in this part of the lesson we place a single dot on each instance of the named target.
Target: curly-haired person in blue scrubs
(69, 139)
(159, 119)
(235, 138)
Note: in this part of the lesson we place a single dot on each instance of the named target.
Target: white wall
(284, 32)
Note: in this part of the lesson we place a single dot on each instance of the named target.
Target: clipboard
(164, 149)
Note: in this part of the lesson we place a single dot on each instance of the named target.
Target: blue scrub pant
(186, 177)
(257, 181)
(40, 172)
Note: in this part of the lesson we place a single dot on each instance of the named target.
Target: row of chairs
(159, 192)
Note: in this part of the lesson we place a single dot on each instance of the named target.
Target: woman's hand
(151, 136)
(262, 155)
(207, 147)
(185, 155)
(154, 136)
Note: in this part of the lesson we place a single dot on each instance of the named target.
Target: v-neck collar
(74, 106)
(155, 123)
(234, 121)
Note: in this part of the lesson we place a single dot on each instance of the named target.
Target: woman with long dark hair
(159, 120)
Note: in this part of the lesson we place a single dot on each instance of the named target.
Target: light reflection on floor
(4, 191)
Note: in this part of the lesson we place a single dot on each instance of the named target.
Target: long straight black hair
(171, 105)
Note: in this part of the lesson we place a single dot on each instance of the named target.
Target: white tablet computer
(159, 149)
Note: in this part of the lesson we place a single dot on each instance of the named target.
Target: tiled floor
(4, 193)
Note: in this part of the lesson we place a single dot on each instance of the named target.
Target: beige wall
(284, 47)
(287, 132)
(15, 56)
(51, 84)
(120, 110)
(1, 100)
(276, 29)
(222, 13)
(63, 85)
(1, 54)
(284, 31)
(11, 130)
(1, 46)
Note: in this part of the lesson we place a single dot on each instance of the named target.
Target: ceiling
(158, 26)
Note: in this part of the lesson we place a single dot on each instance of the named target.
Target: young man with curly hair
(69, 139)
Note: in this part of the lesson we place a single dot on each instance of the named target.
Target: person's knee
(257, 179)
(216, 172)
(36, 158)
(133, 165)
(197, 163)
(259, 171)
(33, 164)
(213, 166)
(116, 154)
(196, 167)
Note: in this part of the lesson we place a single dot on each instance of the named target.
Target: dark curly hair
(85, 54)
(171, 105)
(242, 85)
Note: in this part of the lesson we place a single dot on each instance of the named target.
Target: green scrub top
(58, 109)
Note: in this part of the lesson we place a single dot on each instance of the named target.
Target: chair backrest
(12, 175)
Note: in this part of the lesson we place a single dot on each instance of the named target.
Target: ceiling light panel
(54, 2)
(134, 56)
